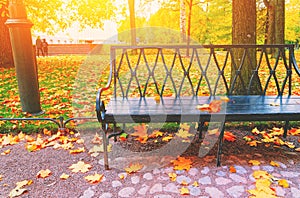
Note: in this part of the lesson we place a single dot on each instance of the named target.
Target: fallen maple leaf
(43, 173)
(6, 152)
(172, 176)
(213, 107)
(283, 183)
(64, 176)
(183, 133)
(79, 150)
(97, 139)
(17, 192)
(94, 178)
(133, 168)
(182, 163)
(195, 184)
(167, 138)
(229, 136)
(80, 167)
(272, 163)
(232, 169)
(254, 162)
(156, 133)
(184, 191)
(140, 130)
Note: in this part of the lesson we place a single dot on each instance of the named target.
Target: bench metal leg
(221, 136)
(200, 129)
(286, 126)
(105, 143)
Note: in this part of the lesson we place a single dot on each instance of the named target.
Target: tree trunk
(182, 21)
(6, 56)
(132, 22)
(189, 27)
(244, 32)
(279, 22)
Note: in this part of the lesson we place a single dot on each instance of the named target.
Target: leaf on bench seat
(213, 107)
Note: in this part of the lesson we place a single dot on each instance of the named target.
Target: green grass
(68, 86)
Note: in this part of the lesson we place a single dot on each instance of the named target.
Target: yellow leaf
(43, 173)
(213, 131)
(121, 176)
(184, 191)
(172, 176)
(133, 168)
(1, 177)
(94, 178)
(80, 167)
(283, 183)
(184, 183)
(5, 152)
(17, 192)
(261, 174)
(79, 150)
(253, 143)
(156, 133)
(157, 99)
(272, 163)
(64, 176)
(167, 138)
(22, 183)
(255, 131)
(195, 184)
(184, 134)
(224, 99)
(254, 162)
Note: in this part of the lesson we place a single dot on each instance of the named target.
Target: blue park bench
(141, 75)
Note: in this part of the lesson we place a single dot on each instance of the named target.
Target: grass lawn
(68, 86)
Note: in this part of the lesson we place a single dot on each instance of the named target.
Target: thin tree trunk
(182, 21)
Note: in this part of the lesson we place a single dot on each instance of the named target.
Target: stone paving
(211, 181)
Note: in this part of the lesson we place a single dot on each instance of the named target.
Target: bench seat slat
(256, 108)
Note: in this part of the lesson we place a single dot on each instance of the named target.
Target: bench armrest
(100, 106)
(294, 62)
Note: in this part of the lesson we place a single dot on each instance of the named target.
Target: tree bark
(279, 22)
(6, 56)
(243, 32)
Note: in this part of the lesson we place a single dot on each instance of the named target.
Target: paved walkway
(207, 181)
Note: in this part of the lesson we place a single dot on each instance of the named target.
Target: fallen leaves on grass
(80, 167)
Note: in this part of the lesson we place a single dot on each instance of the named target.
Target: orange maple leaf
(182, 163)
(43, 173)
(140, 131)
(229, 136)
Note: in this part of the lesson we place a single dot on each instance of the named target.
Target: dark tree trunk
(6, 57)
(244, 32)
(279, 22)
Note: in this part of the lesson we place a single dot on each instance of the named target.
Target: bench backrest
(202, 70)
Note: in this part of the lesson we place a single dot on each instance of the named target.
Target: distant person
(45, 47)
(297, 44)
(39, 46)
